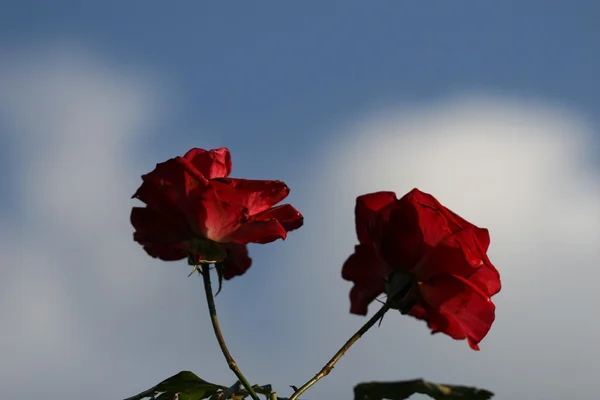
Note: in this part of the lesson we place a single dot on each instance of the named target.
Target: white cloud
(517, 167)
(76, 290)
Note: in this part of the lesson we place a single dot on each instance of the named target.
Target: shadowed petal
(367, 271)
(153, 226)
(402, 244)
(370, 211)
(166, 251)
(237, 261)
(170, 185)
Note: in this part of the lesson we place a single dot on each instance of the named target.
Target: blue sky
(492, 108)
(277, 70)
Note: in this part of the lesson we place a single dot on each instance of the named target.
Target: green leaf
(185, 384)
(264, 390)
(404, 389)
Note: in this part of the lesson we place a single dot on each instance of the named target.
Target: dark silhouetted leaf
(404, 389)
(185, 384)
(265, 389)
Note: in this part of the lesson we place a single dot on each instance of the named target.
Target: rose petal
(237, 261)
(170, 185)
(360, 298)
(286, 214)
(403, 244)
(214, 163)
(166, 251)
(217, 218)
(445, 246)
(255, 195)
(367, 271)
(425, 200)
(256, 232)
(432, 223)
(153, 226)
(161, 237)
(176, 174)
(459, 255)
(370, 208)
(458, 308)
(483, 239)
(486, 277)
(156, 200)
(435, 219)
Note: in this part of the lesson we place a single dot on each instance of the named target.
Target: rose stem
(329, 366)
(215, 323)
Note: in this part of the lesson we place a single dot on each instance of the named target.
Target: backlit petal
(286, 214)
(257, 232)
(214, 163)
(457, 308)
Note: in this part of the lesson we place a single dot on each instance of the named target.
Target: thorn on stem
(194, 270)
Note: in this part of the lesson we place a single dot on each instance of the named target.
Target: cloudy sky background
(493, 111)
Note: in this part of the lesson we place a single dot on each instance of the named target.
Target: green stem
(329, 366)
(215, 323)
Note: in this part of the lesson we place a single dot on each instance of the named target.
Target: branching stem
(329, 366)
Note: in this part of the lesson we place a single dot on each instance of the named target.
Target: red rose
(194, 210)
(430, 262)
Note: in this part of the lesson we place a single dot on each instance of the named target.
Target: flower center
(402, 289)
(205, 251)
